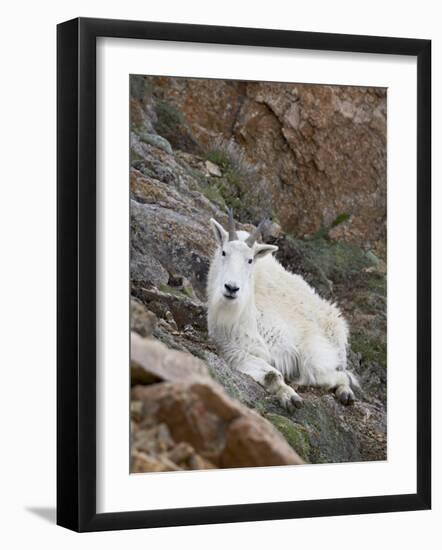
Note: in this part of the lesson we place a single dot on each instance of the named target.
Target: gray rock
(162, 239)
(146, 269)
(142, 320)
(156, 141)
(213, 169)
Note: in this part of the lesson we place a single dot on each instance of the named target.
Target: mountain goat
(270, 324)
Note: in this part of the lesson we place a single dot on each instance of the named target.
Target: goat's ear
(262, 250)
(219, 232)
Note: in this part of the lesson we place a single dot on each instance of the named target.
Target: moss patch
(295, 434)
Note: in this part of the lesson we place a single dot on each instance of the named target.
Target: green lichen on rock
(156, 141)
(295, 434)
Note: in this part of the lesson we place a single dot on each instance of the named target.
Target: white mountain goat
(270, 324)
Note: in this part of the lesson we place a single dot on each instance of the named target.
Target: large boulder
(196, 414)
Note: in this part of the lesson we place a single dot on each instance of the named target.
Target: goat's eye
(250, 261)
(223, 253)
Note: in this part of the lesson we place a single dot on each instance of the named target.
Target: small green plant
(323, 232)
(229, 156)
(239, 186)
(219, 157)
(214, 195)
(170, 119)
(340, 218)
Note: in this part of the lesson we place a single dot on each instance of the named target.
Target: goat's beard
(225, 310)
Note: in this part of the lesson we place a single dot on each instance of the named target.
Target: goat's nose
(232, 288)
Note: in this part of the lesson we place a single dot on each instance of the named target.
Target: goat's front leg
(272, 380)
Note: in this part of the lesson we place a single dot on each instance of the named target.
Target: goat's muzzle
(231, 290)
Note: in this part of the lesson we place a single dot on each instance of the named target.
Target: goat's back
(288, 297)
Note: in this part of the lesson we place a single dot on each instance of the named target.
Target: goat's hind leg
(328, 369)
(272, 380)
(340, 381)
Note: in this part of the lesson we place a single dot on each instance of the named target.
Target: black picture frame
(76, 273)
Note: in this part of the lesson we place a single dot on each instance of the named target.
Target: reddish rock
(190, 413)
(151, 363)
(320, 149)
(249, 442)
(142, 463)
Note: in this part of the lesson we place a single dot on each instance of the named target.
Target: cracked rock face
(319, 150)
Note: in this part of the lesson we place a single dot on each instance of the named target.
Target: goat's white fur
(276, 328)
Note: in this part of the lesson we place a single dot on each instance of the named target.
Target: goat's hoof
(289, 399)
(296, 401)
(292, 403)
(345, 395)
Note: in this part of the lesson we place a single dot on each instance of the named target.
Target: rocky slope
(181, 175)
